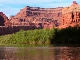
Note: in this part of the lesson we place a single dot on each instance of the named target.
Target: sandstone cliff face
(4, 21)
(70, 15)
(39, 17)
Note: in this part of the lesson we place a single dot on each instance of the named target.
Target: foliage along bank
(68, 36)
(38, 36)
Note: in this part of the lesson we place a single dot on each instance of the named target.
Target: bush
(37, 36)
(67, 36)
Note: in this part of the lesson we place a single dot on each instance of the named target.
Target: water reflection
(67, 53)
(40, 53)
(2, 53)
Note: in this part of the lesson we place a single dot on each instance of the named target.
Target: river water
(39, 53)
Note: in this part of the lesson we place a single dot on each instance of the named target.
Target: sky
(12, 7)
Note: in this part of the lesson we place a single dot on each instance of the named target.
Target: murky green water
(39, 53)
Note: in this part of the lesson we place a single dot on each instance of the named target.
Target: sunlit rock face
(70, 15)
(4, 21)
(39, 17)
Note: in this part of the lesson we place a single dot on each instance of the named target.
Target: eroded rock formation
(70, 15)
(36, 17)
(39, 17)
(44, 17)
(4, 21)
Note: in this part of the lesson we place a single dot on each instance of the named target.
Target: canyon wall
(4, 21)
(30, 18)
(40, 17)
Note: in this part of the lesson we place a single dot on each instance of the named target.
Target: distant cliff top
(73, 8)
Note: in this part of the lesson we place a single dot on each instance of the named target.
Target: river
(39, 53)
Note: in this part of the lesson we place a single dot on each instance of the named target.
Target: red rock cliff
(4, 21)
(70, 15)
(40, 17)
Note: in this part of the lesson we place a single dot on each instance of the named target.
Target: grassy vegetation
(38, 36)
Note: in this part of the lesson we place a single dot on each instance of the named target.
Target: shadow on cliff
(10, 30)
(67, 37)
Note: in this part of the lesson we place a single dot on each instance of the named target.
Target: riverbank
(64, 37)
